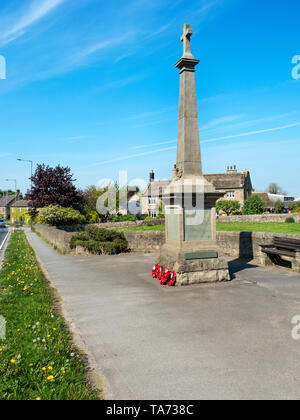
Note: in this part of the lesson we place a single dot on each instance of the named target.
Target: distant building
(19, 211)
(233, 184)
(284, 198)
(5, 203)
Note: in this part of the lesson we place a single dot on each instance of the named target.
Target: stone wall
(145, 241)
(137, 223)
(57, 237)
(260, 218)
(233, 244)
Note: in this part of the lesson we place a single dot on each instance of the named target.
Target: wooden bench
(283, 247)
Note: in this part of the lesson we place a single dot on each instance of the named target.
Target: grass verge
(37, 359)
(142, 228)
(271, 227)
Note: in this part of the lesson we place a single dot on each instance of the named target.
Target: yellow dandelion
(50, 378)
(13, 361)
(50, 368)
(44, 369)
(38, 399)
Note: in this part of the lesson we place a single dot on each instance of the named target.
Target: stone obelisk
(190, 201)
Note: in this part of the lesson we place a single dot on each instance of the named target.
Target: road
(226, 341)
(3, 233)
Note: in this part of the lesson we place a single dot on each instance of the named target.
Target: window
(152, 213)
(230, 194)
(152, 201)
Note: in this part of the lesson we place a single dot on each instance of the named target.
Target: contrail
(250, 133)
(134, 156)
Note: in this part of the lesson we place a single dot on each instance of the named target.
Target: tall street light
(31, 165)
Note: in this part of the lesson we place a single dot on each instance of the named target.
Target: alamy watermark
(2, 328)
(2, 67)
(185, 193)
(296, 69)
(296, 329)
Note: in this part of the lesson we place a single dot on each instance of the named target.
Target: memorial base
(192, 268)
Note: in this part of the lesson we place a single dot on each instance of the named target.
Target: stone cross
(186, 39)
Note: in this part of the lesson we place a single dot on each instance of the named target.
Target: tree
(279, 206)
(275, 189)
(228, 206)
(90, 197)
(294, 206)
(54, 186)
(253, 205)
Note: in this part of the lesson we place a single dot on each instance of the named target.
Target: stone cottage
(233, 184)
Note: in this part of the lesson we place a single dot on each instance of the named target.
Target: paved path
(227, 341)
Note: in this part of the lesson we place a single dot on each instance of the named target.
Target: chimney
(152, 176)
(232, 169)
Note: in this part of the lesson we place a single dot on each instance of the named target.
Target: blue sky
(92, 85)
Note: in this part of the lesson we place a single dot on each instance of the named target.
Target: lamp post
(31, 172)
(31, 165)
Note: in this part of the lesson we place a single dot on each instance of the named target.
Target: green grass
(37, 359)
(260, 227)
(142, 228)
(238, 227)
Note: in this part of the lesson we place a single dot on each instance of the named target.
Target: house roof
(224, 181)
(155, 188)
(21, 204)
(229, 180)
(265, 198)
(6, 200)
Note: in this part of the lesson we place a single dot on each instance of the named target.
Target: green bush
(228, 206)
(100, 241)
(289, 220)
(294, 206)
(102, 248)
(121, 245)
(148, 218)
(161, 216)
(92, 216)
(78, 237)
(279, 206)
(103, 235)
(253, 205)
(60, 216)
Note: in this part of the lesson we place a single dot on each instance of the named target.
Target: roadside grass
(142, 228)
(37, 359)
(271, 227)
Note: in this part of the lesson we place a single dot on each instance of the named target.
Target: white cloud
(251, 133)
(16, 25)
(219, 121)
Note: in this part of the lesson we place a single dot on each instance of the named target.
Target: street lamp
(31, 164)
